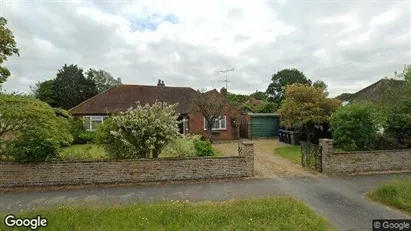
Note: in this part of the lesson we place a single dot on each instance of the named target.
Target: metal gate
(311, 156)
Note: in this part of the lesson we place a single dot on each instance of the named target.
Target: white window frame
(219, 123)
(93, 118)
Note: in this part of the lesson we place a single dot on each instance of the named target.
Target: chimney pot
(162, 83)
(159, 83)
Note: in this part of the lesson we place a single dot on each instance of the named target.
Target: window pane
(222, 122)
(216, 124)
(95, 124)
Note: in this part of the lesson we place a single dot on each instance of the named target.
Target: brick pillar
(247, 151)
(327, 152)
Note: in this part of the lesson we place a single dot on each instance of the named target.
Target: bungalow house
(122, 97)
(382, 92)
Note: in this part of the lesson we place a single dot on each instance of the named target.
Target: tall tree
(212, 105)
(304, 107)
(72, 88)
(8, 47)
(281, 79)
(260, 95)
(103, 79)
(45, 91)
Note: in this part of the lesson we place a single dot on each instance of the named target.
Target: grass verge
(292, 153)
(281, 213)
(396, 194)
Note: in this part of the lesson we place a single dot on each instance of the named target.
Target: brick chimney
(162, 83)
(159, 83)
(224, 92)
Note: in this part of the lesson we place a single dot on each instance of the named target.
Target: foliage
(141, 132)
(76, 129)
(71, 87)
(212, 105)
(87, 137)
(8, 47)
(276, 89)
(46, 92)
(355, 126)
(237, 99)
(204, 148)
(33, 146)
(260, 95)
(304, 107)
(399, 120)
(22, 117)
(277, 213)
(181, 147)
(20, 113)
(102, 79)
(344, 96)
(395, 194)
(386, 142)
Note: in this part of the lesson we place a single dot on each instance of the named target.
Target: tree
(72, 88)
(260, 95)
(355, 126)
(281, 79)
(304, 107)
(23, 119)
(102, 79)
(212, 105)
(45, 91)
(141, 132)
(8, 47)
(237, 99)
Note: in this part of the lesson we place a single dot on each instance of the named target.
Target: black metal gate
(311, 156)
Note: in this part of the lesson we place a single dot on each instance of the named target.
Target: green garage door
(264, 126)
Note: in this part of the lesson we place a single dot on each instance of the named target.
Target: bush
(33, 146)
(203, 148)
(31, 130)
(181, 147)
(399, 121)
(87, 137)
(76, 129)
(386, 142)
(355, 126)
(141, 132)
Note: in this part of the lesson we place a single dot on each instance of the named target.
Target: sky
(347, 44)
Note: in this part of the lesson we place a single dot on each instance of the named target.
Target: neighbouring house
(384, 91)
(122, 97)
(247, 107)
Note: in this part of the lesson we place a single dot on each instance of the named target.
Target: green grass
(282, 213)
(292, 153)
(83, 152)
(396, 194)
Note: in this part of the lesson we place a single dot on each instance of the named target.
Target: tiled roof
(122, 97)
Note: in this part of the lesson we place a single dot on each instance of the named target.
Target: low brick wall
(127, 171)
(363, 161)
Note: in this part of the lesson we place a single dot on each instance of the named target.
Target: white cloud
(185, 42)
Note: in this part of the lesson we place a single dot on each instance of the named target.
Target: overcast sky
(347, 44)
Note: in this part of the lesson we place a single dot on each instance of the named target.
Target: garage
(264, 125)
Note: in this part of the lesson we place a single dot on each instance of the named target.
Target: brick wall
(363, 161)
(127, 171)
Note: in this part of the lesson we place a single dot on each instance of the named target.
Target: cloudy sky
(347, 44)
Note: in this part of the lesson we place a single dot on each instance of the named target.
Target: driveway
(268, 165)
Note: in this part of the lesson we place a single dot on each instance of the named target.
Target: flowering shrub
(141, 132)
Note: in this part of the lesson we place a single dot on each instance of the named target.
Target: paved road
(339, 199)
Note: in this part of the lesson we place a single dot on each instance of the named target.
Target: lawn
(396, 194)
(83, 152)
(281, 213)
(292, 153)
